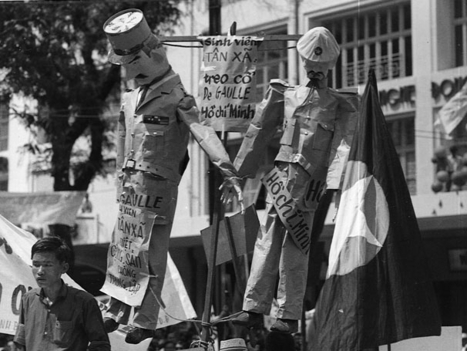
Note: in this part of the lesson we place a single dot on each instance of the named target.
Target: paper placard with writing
(293, 218)
(228, 82)
(127, 274)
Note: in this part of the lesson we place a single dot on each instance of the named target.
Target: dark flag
(377, 290)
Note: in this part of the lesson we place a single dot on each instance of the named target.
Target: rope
(226, 318)
(162, 306)
(203, 324)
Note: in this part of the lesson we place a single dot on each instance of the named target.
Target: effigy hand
(230, 187)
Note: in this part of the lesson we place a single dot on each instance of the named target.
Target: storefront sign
(447, 88)
(394, 97)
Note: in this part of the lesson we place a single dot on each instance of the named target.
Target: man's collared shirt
(72, 322)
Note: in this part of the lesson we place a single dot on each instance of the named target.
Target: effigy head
(134, 46)
(319, 52)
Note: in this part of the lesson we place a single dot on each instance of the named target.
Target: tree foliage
(55, 52)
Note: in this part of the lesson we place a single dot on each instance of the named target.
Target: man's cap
(127, 32)
(319, 45)
(236, 344)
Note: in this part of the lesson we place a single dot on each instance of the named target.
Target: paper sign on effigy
(292, 217)
(228, 82)
(127, 274)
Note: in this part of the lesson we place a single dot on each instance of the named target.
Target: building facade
(418, 50)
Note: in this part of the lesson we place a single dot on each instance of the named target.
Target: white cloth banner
(58, 207)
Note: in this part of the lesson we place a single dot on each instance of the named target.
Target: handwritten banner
(12, 289)
(16, 276)
(228, 82)
(293, 218)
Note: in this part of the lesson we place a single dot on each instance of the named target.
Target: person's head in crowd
(154, 345)
(50, 259)
(298, 341)
(169, 345)
(171, 336)
(276, 341)
(235, 344)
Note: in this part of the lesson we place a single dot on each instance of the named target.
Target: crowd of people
(175, 337)
(185, 335)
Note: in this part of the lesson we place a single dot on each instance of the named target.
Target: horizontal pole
(193, 38)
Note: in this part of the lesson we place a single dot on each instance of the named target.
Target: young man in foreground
(55, 316)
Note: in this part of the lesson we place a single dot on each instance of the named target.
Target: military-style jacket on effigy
(311, 119)
(153, 136)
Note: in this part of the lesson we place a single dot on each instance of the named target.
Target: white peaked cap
(319, 45)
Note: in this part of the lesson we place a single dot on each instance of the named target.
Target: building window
(402, 130)
(272, 62)
(460, 31)
(3, 125)
(379, 39)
